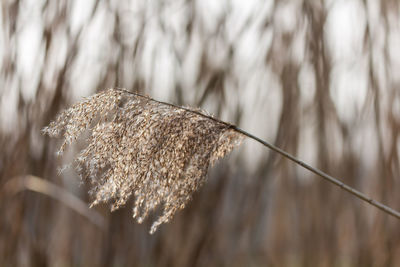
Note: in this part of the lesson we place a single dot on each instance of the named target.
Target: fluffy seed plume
(156, 152)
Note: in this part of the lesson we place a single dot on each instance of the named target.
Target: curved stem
(322, 174)
(318, 172)
(39, 185)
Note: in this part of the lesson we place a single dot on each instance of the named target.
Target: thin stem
(322, 174)
(39, 185)
(318, 172)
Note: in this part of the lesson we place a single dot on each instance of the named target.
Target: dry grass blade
(39, 185)
(158, 153)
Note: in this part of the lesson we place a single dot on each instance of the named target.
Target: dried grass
(158, 153)
(154, 150)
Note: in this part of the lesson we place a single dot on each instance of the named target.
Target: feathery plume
(156, 152)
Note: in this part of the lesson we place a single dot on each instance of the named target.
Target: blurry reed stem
(318, 172)
(39, 185)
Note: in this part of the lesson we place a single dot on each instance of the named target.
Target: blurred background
(318, 79)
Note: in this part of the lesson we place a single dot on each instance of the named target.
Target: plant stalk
(318, 172)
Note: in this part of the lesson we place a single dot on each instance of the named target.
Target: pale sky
(344, 35)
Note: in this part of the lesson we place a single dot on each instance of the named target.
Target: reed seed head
(138, 147)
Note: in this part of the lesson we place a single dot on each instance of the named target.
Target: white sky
(344, 34)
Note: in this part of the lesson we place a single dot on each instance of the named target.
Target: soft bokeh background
(320, 79)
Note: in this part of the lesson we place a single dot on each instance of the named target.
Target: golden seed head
(158, 153)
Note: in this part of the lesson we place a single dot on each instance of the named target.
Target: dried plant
(157, 152)
(154, 150)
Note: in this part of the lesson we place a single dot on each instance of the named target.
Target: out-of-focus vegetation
(317, 78)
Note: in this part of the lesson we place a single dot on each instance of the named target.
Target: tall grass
(267, 68)
(154, 150)
(138, 146)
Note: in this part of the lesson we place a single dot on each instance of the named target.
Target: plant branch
(318, 172)
(324, 175)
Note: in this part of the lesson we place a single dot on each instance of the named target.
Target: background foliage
(317, 78)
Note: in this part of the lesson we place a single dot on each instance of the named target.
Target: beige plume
(138, 147)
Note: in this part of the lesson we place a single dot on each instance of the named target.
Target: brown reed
(158, 153)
